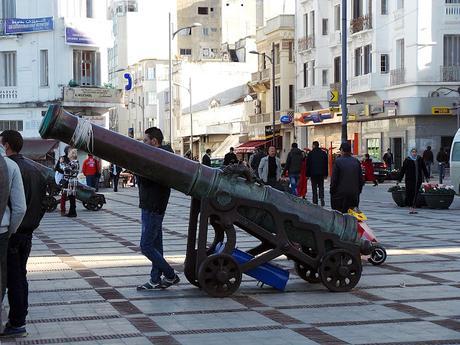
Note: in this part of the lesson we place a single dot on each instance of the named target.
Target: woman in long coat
(369, 169)
(415, 172)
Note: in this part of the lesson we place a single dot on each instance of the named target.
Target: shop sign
(441, 111)
(286, 119)
(389, 103)
(15, 26)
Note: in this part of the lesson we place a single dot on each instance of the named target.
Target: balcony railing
(306, 43)
(450, 73)
(8, 94)
(361, 23)
(266, 74)
(256, 76)
(452, 10)
(260, 118)
(397, 76)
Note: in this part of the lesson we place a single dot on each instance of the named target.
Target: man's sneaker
(13, 332)
(150, 286)
(166, 283)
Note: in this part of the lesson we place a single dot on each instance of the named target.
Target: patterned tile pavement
(83, 274)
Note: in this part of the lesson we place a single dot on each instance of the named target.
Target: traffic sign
(441, 111)
(333, 96)
(129, 81)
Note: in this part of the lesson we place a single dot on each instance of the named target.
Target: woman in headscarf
(415, 173)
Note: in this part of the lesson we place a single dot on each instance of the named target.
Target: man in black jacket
(153, 200)
(230, 157)
(255, 159)
(206, 160)
(346, 181)
(317, 171)
(20, 243)
(293, 165)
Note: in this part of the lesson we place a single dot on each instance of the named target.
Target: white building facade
(403, 62)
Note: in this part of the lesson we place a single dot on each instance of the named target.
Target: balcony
(8, 94)
(450, 73)
(260, 119)
(306, 43)
(397, 76)
(452, 12)
(256, 76)
(261, 75)
(361, 23)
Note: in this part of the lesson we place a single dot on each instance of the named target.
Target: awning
(38, 149)
(224, 147)
(250, 146)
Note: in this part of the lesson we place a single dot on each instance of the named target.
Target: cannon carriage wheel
(340, 270)
(50, 203)
(307, 273)
(219, 275)
(94, 203)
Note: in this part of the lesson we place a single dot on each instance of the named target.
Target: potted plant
(398, 193)
(438, 196)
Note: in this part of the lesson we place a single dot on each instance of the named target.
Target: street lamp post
(272, 61)
(171, 36)
(344, 73)
(189, 90)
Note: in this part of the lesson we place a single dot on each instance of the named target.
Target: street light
(143, 115)
(171, 36)
(189, 89)
(272, 61)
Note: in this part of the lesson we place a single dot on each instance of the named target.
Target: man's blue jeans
(442, 172)
(293, 180)
(91, 181)
(152, 245)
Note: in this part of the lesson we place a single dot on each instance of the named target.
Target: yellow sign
(441, 111)
(334, 96)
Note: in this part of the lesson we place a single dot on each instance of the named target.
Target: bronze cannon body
(325, 245)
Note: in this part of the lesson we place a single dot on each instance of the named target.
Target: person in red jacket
(90, 169)
(369, 169)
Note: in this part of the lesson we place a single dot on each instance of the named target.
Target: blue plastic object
(266, 273)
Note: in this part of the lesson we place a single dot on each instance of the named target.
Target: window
(305, 22)
(202, 10)
(358, 64)
(44, 81)
(452, 49)
(151, 98)
(87, 67)
(8, 9)
(337, 66)
(384, 63)
(8, 74)
(455, 152)
(205, 31)
(400, 53)
(291, 50)
(313, 79)
(325, 26)
(291, 96)
(277, 54)
(383, 7)
(185, 51)
(305, 74)
(89, 8)
(357, 8)
(213, 29)
(368, 59)
(337, 17)
(312, 16)
(150, 73)
(277, 98)
(324, 77)
(16, 125)
(399, 4)
(373, 148)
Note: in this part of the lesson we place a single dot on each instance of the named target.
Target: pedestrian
(346, 181)
(20, 243)
(270, 168)
(428, 159)
(153, 200)
(293, 166)
(388, 159)
(70, 181)
(98, 173)
(115, 172)
(414, 170)
(90, 170)
(12, 210)
(254, 160)
(369, 169)
(206, 160)
(443, 160)
(230, 157)
(317, 171)
(59, 175)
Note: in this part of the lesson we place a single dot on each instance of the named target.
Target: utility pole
(344, 72)
(273, 92)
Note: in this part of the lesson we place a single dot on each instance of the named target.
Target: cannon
(87, 195)
(325, 245)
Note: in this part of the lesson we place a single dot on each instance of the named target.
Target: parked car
(454, 163)
(380, 170)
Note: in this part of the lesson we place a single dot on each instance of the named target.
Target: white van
(455, 162)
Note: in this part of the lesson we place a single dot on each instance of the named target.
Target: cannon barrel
(190, 177)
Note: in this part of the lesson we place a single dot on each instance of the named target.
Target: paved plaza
(83, 274)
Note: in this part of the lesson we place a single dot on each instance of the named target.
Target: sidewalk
(83, 273)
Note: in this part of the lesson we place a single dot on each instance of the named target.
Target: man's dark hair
(232, 149)
(294, 145)
(154, 132)
(13, 138)
(367, 155)
(208, 151)
(428, 147)
(315, 144)
(345, 147)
